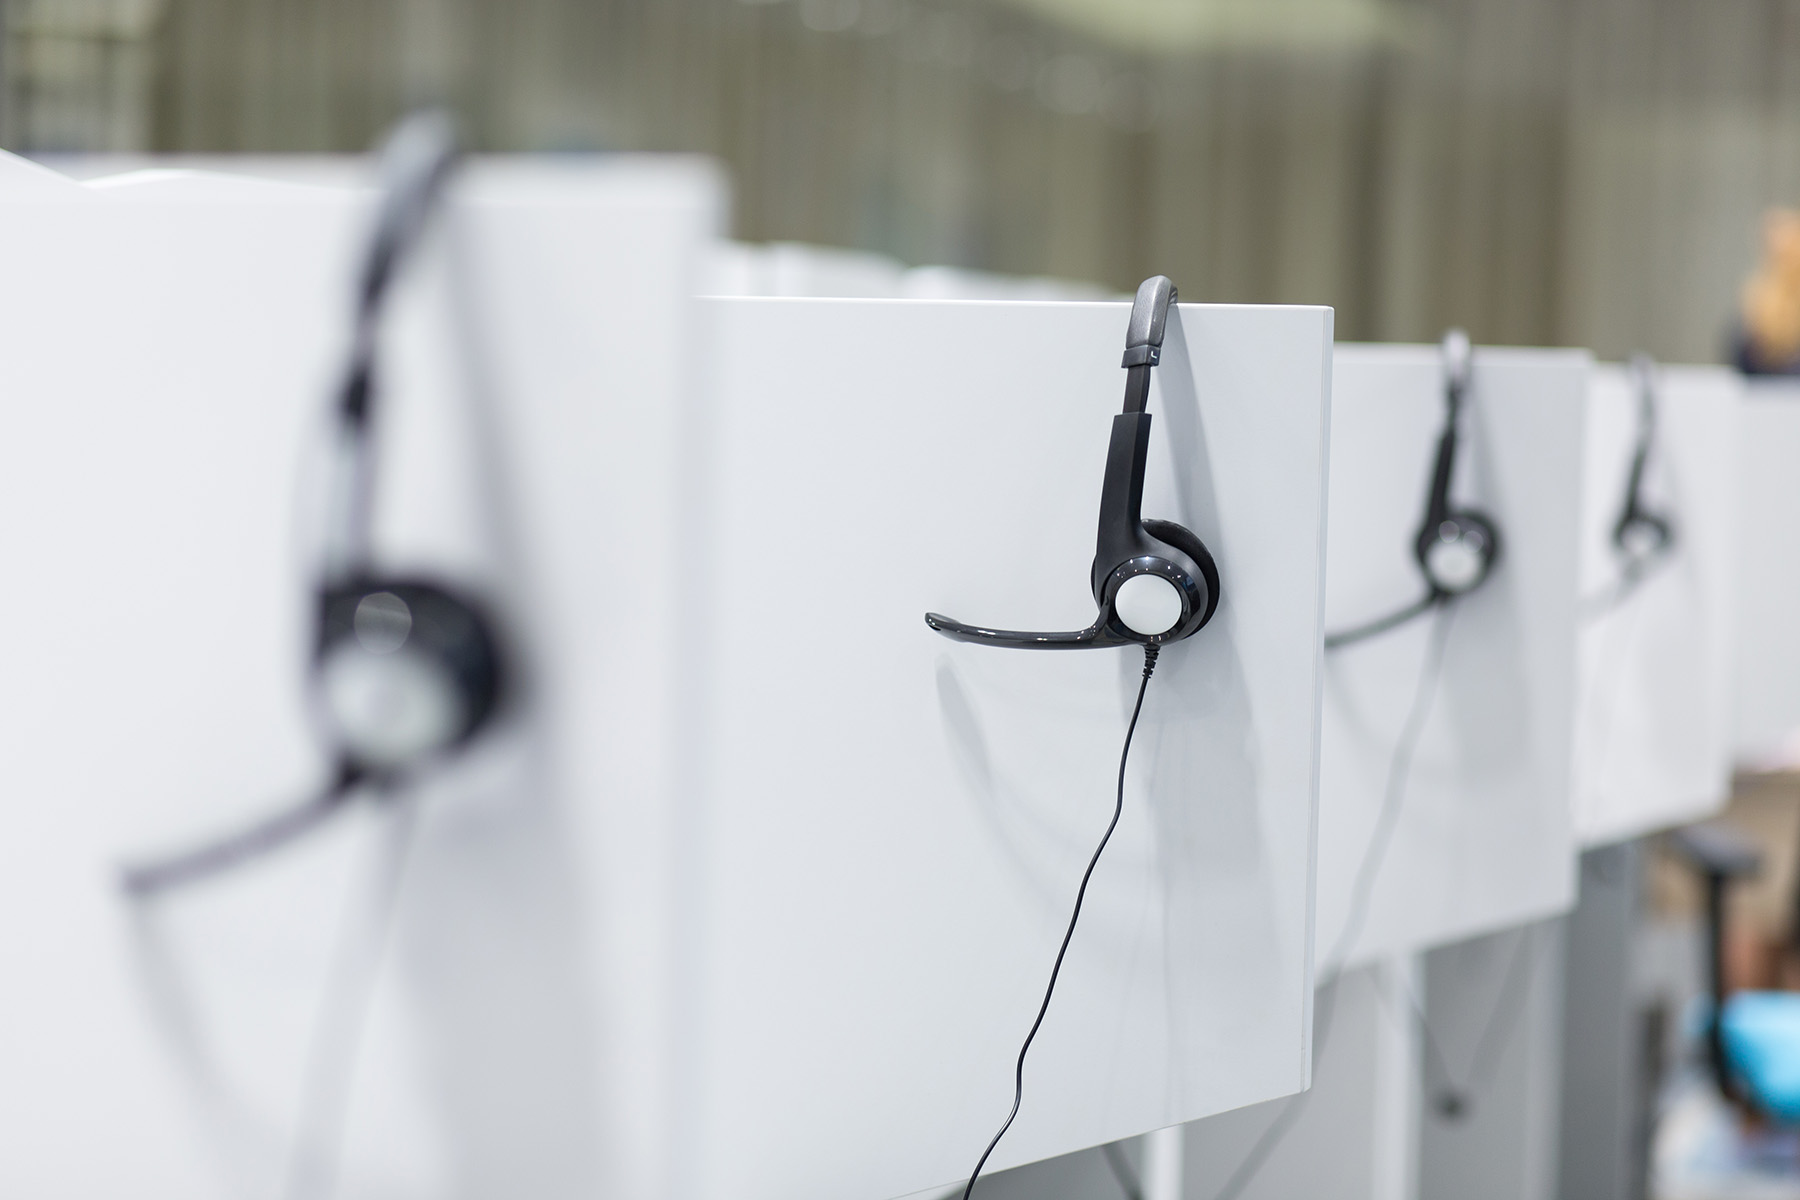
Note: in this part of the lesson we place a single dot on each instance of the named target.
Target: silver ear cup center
(1148, 604)
(1640, 539)
(1456, 558)
(388, 707)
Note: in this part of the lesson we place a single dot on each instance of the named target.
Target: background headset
(404, 670)
(1455, 548)
(1154, 581)
(1641, 534)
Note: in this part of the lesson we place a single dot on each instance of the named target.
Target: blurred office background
(1578, 172)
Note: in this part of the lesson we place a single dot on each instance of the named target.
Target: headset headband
(416, 162)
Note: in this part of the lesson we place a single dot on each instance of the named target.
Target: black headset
(1154, 581)
(1456, 548)
(404, 670)
(1641, 534)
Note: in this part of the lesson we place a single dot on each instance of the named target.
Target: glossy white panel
(1653, 745)
(171, 345)
(1482, 833)
(895, 824)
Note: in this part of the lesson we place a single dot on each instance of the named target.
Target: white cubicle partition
(171, 346)
(758, 884)
(895, 824)
(1767, 716)
(1653, 745)
(1482, 837)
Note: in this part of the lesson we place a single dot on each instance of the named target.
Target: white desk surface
(1483, 839)
(895, 824)
(1653, 744)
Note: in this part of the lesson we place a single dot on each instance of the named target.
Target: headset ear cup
(404, 669)
(1655, 534)
(1185, 540)
(1472, 541)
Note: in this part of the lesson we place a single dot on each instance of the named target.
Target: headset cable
(334, 1046)
(1150, 653)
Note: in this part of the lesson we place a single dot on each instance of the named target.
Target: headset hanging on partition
(1641, 534)
(1455, 548)
(404, 670)
(1154, 581)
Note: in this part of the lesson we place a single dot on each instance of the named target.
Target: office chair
(1752, 1037)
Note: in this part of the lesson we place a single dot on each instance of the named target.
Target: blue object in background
(1761, 1031)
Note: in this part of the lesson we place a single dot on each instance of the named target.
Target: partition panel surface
(895, 824)
(173, 343)
(1481, 834)
(1653, 742)
(1354, 1134)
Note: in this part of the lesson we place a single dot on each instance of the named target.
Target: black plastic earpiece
(404, 670)
(1456, 548)
(1154, 582)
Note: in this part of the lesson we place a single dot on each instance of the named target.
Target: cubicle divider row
(754, 884)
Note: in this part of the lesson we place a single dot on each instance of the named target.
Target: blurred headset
(1154, 581)
(404, 670)
(1455, 548)
(1641, 535)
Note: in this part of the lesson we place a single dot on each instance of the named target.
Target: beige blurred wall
(1581, 172)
